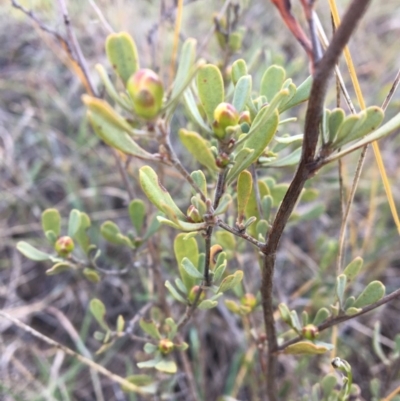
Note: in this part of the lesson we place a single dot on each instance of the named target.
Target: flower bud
(146, 91)
(64, 246)
(222, 160)
(193, 214)
(193, 293)
(225, 115)
(310, 332)
(165, 346)
(249, 300)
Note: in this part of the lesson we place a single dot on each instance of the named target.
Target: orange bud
(146, 91)
(64, 246)
(215, 250)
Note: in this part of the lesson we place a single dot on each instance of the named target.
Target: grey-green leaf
(51, 221)
(74, 222)
(242, 93)
(31, 252)
(372, 293)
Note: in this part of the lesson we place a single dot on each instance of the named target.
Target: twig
(75, 46)
(304, 171)
(88, 362)
(101, 16)
(124, 175)
(239, 233)
(343, 318)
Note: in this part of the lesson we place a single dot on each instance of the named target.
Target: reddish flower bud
(225, 115)
(146, 91)
(165, 346)
(245, 117)
(310, 332)
(64, 246)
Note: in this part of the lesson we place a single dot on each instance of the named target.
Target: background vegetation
(51, 158)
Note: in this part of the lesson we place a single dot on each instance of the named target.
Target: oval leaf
(51, 221)
(99, 312)
(305, 347)
(373, 292)
(272, 81)
(199, 148)
(211, 89)
(122, 54)
(231, 281)
(31, 252)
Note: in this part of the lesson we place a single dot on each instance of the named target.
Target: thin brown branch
(343, 318)
(240, 233)
(305, 170)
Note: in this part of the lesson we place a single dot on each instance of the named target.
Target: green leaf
(321, 316)
(199, 148)
(244, 188)
(242, 93)
(370, 119)
(156, 193)
(185, 66)
(98, 310)
(186, 248)
(223, 204)
(328, 383)
(149, 364)
(306, 348)
(74, 222)
(386, 129)
(302, 94)
(191, 269)
(110, 88)
(352, 311)
(175, 294)
(150, 328)
(112, 128)
(346, 127)
(166, 366)
(31, 252)
(110, 231)
(291, 159)
(211, 89)
(231, 281)
(120, 324)
(285, 313)
(182, 225)
(122, 54)
(353, 268)
(173, 327)
(137, 214)
(336, 119)
(219, 270)
(373, 292)
(58, 268)
(242, 160)
(51, 221)
(153, 226)
(262, 131)
(207, 304)
(272, 81)
(150, 348)
(92, 275)
(239, 69)
(200, 179)
(81, 236)
(341, 282)
(193, 111)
